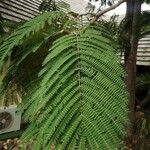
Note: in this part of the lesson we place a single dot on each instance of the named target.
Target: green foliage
(142, 88)
(78, 100)
(52, 5)
(63, 6)
(147, 1)
(7, 27)
(113, 28)
(47, 5)
(26, 31)
(1, 25)
(29, 38)
(143, 82)
(145, 23)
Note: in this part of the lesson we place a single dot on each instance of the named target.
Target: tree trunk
(132, 34)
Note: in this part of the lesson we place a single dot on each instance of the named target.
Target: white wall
(77, 6)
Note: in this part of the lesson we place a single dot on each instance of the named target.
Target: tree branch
(102, 12)
(85, 14)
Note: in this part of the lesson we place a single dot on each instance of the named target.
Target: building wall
(18, 10)
(143, 54)
(77, 6)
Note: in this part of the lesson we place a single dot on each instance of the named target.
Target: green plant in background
(143, 81)
(39, 30)
(48, 5)
(78, 99)
(7, 27)
(145, 23)
(52, 5)
(1, 26)
(143, 89)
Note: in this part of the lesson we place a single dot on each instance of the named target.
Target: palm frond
(80, 102)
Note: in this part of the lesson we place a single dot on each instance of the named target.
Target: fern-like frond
(26, 34)
(29, 43)
(81, 101)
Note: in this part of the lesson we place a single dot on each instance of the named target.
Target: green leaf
(81, 102)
